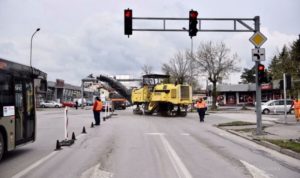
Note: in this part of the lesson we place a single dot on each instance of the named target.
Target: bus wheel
(1, 146)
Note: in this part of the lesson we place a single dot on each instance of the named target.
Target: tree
(295, 56)
(215, 60)
(146, 69)
(248, 75)
(181, 69)
(282, 63)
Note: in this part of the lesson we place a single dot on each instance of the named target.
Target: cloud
(82, 37)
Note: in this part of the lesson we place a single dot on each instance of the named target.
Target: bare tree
(181, 69)
(215, 60)
(146, 69)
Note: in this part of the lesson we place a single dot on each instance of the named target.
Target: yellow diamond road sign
(258, 39)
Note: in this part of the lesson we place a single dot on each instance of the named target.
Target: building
(239, 94)
(61, 91)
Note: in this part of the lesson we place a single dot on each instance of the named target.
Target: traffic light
(128, 22)
(281, 84)
(288, 78)
(261, 74)
(193, 23)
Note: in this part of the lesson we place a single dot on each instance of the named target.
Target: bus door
(25, 115)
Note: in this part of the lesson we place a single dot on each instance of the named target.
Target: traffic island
(247, 130)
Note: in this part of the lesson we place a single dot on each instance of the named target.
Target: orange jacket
(97, 106)
(297, 104)
(201, 105)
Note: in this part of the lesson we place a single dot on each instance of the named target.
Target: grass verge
(236, 123)
(287, 144)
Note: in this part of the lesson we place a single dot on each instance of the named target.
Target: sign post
(257, 39)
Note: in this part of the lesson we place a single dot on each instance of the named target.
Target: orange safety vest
(297, 104)
(201, 105)
(98, 106)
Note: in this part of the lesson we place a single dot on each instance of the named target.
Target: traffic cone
(58, 147)
(83, 130)
(92, 125)
(73, 136)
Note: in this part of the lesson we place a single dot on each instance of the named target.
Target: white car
(50, 104)
(277, 106)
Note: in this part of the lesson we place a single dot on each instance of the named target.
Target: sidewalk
(277, 128)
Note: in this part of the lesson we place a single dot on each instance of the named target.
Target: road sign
(258, 39)
(258, 54)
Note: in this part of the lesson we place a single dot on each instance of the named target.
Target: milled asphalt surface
(132, 146)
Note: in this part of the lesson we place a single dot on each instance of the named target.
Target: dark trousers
(201, 112)
(97, 117)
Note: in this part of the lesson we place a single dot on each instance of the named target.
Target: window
(6, 92)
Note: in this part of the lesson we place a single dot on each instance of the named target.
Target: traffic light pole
(284, 96)
(238, 25)
(258, 87)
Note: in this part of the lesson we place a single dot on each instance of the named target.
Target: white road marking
(39, 162)
(178, 165)
(185, 134)
(154, 133)
(255, 172)
(96, 172)
(36, 164)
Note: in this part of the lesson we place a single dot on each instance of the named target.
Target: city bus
(19, 85)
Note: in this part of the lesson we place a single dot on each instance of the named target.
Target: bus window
(6, 93)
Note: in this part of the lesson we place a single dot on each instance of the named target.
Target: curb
(268, 145)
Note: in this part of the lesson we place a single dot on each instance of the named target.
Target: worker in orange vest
(296, 104)
(97, 107)
(201, 108)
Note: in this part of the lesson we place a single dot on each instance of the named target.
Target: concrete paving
(276, 126)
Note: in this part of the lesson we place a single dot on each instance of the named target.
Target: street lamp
(38, 29)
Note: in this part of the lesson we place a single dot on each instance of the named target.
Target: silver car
(50, 104)
(277, 106)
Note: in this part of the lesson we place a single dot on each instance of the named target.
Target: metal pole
(258, 87)
(38, 29)
(284, 97)
(82, 90)
(192, 46)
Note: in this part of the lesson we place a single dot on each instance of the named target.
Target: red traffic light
(128, 13)
(128, 22)
(261, 67)
(193, 14)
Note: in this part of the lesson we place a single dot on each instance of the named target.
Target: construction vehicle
(156, 96)
(118, 101)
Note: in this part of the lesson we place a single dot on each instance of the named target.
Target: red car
(68, 103)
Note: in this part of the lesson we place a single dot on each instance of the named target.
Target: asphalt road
(137, 146)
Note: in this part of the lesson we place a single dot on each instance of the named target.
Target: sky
(80, 37)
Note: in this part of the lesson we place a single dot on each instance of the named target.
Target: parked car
(79, 100)
(50, 104)
(277, 106)
(68, 103)
(89, 103)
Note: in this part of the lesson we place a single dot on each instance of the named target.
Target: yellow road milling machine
(156, 96)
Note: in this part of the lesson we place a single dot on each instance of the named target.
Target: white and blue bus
(18, 86)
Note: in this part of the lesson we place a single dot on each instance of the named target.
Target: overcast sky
(79, 37)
